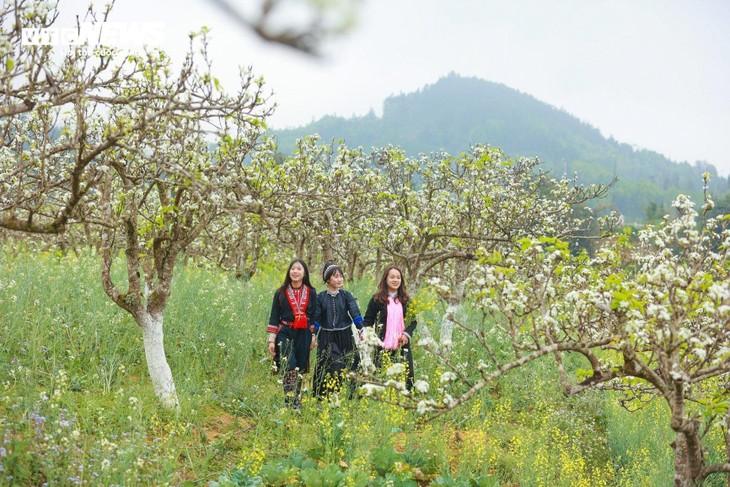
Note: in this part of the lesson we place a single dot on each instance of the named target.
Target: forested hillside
(457, 112)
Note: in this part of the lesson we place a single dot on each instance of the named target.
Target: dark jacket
(379, 312)
(281, 311)
(337, 312)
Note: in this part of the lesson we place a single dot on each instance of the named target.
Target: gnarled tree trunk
(688, 461)
(688, 455)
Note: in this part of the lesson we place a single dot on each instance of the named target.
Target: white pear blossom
(421, 386)
(396, 369)
(447, 377)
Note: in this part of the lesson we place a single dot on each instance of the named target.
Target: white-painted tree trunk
(447, 328)
(159, 370)
(455, 302)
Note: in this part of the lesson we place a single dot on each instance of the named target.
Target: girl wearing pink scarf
(387, 311)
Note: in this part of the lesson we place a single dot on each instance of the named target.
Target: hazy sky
(652, 73)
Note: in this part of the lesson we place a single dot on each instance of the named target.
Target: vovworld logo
(96, 34)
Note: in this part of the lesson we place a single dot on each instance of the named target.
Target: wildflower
(372, 389)
(133, 400)
(37, 419)
(105, 464)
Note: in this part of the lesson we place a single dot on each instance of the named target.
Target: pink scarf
(394, 326)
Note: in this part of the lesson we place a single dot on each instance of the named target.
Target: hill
(456, 112)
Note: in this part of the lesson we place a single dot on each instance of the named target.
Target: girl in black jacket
(291, 329)
(336, 353)
(388, 312)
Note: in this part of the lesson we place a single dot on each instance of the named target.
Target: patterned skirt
(336, 356)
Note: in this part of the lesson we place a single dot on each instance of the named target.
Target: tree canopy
(457, 112)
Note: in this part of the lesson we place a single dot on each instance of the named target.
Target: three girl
(297, 312)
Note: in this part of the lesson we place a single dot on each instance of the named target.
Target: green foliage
(333, 441)
(642, 459)
(239, 478)
(331, 475)
(384, 458)
(479, 480)
(73, 374)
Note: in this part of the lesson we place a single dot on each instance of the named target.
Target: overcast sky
(652, 73)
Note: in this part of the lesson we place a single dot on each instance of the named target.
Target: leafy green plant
(384, 458)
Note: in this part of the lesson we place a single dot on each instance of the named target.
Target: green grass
(76, 405)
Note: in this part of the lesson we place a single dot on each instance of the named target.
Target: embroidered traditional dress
(292, 319)
(336, 353)
(377, 316)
